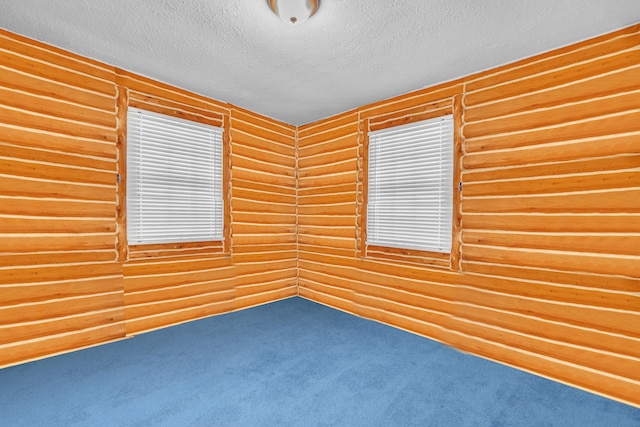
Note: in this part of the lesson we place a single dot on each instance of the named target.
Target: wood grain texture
(169, 284)
(544, 276)
(60, 283)
(547, 274)
(68, 279)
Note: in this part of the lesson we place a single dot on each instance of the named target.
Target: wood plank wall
(167, 286)
(60, 282)
(549, 277)
(67, 278)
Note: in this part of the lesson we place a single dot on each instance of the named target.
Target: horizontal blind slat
(174, 182)
(410, 186)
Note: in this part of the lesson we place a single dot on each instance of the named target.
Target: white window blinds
(174, 180)
(410, 182)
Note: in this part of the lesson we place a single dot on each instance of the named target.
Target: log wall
(544, 274)
(548, 276)
(67, 278)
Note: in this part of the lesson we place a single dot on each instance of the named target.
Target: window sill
(171, 250)
(408, 256)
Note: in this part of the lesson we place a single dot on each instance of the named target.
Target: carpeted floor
(289, 363)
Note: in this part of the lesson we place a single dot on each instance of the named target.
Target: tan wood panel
(41, 311)
(477, 289)
(265, 156)
(613, 223)
(555, 152)
(138, 325)
(330, 135)
(259, 239)
(16, 243)
(305, 251)
(263, 218)
(336, 209)
(500, 273)
(265, 133)
(559, 58)
(327, 124)
(327, 190)
(328, 158)
(615, 82)
(606, 201)
(55, 107)
(261, 166)
(425, 96)
(559, 184)
(69, 77)
(250, 205)
(328, 146)
(326, 221)
(170, 108)
(62, 208)
(559, 260)
(22, 293)
(331, 241)
(574, 72)
(328, 231)
(46, 273)
(12, 259)
(52, 89)
(21, 187)
(578, 166)
(329, 179)
(259, 186)
(328, 199)
(272, 256)
(61, 343)
(48, 327)
(259, 249)
(622, 243)
(247, 174)
(614, 104)
(35, 224)
(175, 107)
(264, 196)
(45, 53)
(556, 331)
(240, 228)
(161, 90)
(200, 288)
(22, 168)
(343, 166)
(45, 158)
(240, 138)
(29, 137)
(628, 121)
(245, 116)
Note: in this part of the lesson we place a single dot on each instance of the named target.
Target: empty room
(320, 212)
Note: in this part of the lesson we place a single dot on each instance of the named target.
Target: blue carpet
(289, 363)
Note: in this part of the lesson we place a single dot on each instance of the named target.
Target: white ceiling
(351, 52)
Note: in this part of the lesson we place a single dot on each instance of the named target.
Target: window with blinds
(174, 180)
(410, 180)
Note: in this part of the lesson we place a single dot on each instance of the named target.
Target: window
(410, 180)
(174, 180)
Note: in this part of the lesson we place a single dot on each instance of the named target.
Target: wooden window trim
(411, 256)
(129, 98)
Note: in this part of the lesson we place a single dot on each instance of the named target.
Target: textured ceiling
(350, 53)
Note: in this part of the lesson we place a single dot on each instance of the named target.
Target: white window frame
(410, 186)
(174, 180)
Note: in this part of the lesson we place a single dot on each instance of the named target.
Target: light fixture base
(294, 12)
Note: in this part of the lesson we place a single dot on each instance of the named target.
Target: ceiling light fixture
(294, 11)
